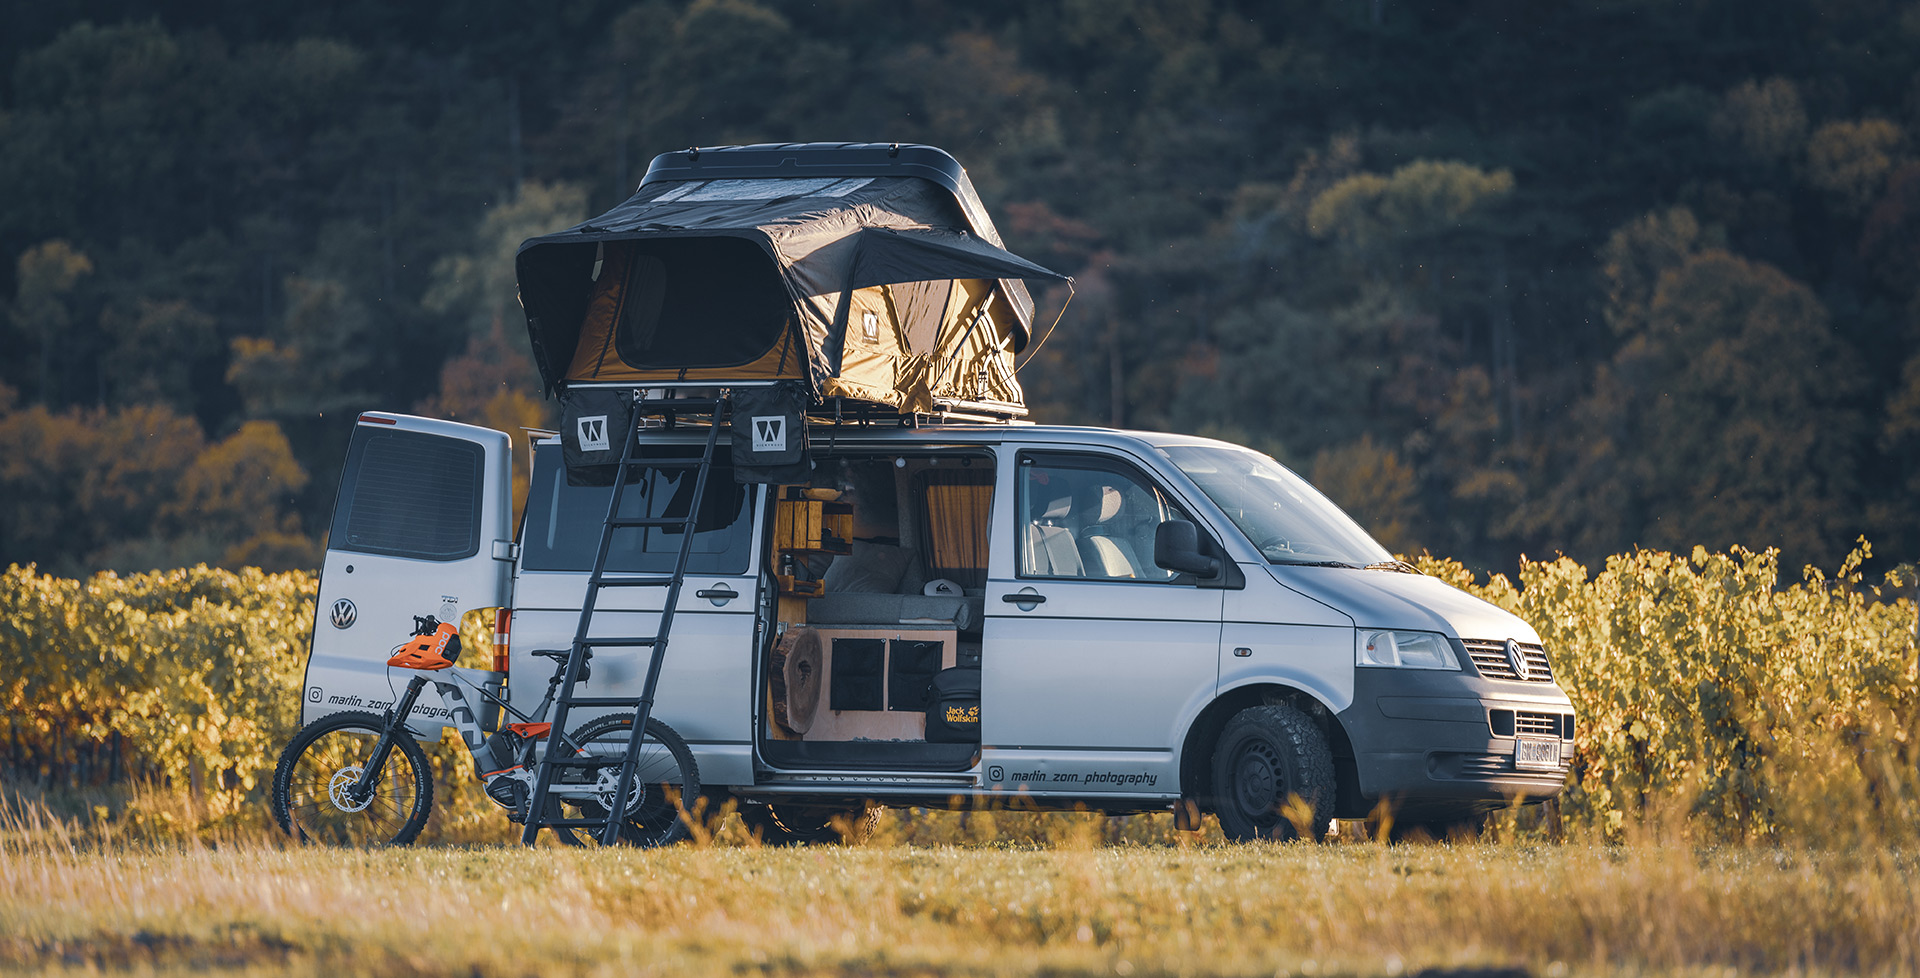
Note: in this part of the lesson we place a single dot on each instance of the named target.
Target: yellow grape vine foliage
(1706, 689)
(188, 676)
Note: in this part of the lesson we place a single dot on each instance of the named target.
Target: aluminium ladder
(560, 752)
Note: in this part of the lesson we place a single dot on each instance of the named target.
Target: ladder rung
(596, 701)
(662, 522)
(633, 582)
(621, 643)
(675, 462)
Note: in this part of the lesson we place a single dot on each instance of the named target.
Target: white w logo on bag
(770, 433)
(593, 434)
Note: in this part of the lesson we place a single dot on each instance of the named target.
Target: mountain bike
(359, 778)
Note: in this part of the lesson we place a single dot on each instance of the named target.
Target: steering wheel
(1287, 547)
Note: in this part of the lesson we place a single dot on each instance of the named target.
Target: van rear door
(422, 526)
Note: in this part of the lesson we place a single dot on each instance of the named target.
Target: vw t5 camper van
(1070, 617)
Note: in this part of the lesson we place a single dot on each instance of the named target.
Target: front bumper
(1432, 746)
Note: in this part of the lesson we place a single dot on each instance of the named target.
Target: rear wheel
(790, 825)
(665, 780)
(1272, 775)
(313, 797)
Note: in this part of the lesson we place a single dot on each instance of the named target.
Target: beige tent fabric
(907, 346)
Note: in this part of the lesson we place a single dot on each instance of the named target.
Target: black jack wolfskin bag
(953, 707)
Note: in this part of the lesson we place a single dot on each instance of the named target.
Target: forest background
(1500, 277)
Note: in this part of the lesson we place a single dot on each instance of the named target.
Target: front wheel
(313, 785)
(665, 786)
(1272, 775)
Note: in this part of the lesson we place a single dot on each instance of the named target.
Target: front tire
(665, 774)
(1271, 768)
(310, 798)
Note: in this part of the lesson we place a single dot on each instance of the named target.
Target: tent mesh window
(690, 303)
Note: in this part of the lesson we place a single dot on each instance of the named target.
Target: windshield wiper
(1393, 565)
(1313, 563)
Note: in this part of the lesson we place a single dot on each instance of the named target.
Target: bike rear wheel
(313, 800)
(666, 785)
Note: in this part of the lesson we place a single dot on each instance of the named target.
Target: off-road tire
(659, 820)
(1265, 756)
(793, 825)
(415, 781)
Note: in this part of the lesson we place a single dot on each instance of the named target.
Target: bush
(1707, 693)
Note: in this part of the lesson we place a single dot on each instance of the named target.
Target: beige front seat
(1104, 554)
(1050, 545)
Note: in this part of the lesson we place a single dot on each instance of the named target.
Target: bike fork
(396, 720)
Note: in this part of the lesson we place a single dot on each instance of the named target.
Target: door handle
(719, 595)
(1026, 599)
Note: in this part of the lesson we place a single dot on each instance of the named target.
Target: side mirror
(1176, 547)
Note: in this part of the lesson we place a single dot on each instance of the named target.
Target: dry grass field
(1007, 903)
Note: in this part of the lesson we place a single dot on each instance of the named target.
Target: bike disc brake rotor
(603, 790)
(340, 790)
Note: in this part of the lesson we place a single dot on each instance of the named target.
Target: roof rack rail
(842, 410)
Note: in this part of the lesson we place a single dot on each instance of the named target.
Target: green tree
(47, 274)
(1727, 417)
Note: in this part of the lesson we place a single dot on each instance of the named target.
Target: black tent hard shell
(864, 270)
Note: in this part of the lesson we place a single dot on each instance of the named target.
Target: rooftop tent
(861, 269)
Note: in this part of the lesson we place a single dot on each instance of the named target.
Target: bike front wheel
(314, 785)
(664, 789)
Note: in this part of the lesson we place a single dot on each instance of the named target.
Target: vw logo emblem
(1518, 659)
(343, 613)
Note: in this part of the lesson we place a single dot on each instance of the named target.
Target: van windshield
(1288, 519)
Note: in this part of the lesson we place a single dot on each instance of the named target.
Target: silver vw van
(962, 614)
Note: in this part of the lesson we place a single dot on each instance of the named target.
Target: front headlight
(1403, 650)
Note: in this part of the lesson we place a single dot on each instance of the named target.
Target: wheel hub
(340, 790)
(603, 791)
(1256, 783)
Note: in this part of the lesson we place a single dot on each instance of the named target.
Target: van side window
(1089, 518)
(409, 494)
(562, 525)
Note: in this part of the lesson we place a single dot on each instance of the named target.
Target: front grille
(1490, 657)
(1479, 767)
(1508, 723)
(1485, 765)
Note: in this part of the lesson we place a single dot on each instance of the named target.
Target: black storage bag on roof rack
(593, 429)
(770, 435)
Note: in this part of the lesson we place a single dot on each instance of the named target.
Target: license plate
(1536, 754)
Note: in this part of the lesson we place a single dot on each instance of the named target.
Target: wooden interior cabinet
(873, 681)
